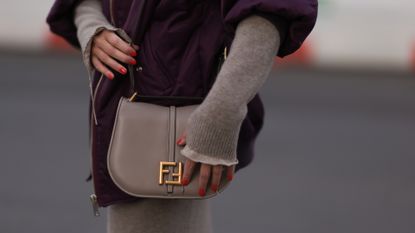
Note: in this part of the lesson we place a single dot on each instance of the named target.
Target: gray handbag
(143, 157)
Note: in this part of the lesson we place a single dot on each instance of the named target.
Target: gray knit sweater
(213, 128)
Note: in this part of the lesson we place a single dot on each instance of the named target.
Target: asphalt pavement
(336, 153)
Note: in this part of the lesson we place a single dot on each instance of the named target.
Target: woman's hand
(205, 171)
(108, 49)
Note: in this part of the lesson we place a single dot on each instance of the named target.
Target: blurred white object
(365, 34)
(348, 33)
(23, 24)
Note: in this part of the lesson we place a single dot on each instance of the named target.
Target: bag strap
(135, 35)
(134, 95)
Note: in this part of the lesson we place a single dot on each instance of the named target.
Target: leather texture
(143, 135)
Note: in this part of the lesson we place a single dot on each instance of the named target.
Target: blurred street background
(336, 154)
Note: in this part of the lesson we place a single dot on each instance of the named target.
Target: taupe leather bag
(143, 157)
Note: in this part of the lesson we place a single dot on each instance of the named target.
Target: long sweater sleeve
(90, 21)
(213, 128)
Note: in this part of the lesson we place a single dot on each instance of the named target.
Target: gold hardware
(166, 171)
(225, 52)
(94, 202)
(131, 99)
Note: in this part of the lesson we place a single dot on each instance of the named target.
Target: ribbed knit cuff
(213, 128)
(86, 49)
(213, 139)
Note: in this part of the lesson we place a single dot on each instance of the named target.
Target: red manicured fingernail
(110, 75)
(133, 53)
(214, 187)
(180, 141)
(123, 70)
(202, 192)
(185, 181)
(230, 177)
(133, 62)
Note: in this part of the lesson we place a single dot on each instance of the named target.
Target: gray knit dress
(217, 120)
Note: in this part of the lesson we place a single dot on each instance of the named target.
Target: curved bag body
(177, 53)
(143, 143)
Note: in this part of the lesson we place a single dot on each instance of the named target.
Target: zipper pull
(95, 207)
(225, 53)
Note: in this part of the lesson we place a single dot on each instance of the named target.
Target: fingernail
(123, 70)
(133, 53)
(133, 62)
(110, 75)
(185, 181)
(202, 192)
(214, 187)
(230, 177)
(180, 141)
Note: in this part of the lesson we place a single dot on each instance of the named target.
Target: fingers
(216, 176)
(102, 68)
(107, 60)
(189, 166)
(113, 39)
(206, 171)
(108, 49)
(204, 176)
(230, 172)
(116, 53)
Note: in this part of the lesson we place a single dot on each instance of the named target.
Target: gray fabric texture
(89, 21)
(213, 128)
(156, 215)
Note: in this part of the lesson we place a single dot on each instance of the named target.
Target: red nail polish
(180, 141)
(133, 62)
(185, 181)
(214, 187)
(123, 70)
(110, 75)
(133, 53)
(202, 192)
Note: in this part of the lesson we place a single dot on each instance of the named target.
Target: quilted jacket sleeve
(299, 18)
(60, 21)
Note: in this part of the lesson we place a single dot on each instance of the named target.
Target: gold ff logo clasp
(166, 171)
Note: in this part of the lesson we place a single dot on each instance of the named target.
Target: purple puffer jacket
(179, 53)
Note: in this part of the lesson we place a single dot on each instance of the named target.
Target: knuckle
(115, 40)
(217, 172)
(106, 59)
(95, 61)
(123, 56)
(101, 70)
(204, 176)
(111, 50)
(117, 54)
(97, 41)
(112, 39)
(94, 50)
